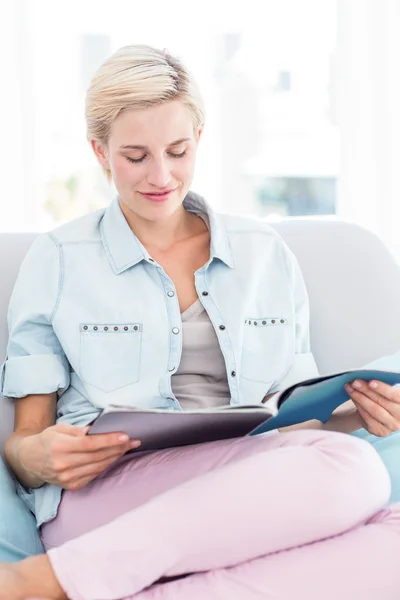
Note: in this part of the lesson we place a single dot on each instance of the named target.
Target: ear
(100, 153)
(199, 134)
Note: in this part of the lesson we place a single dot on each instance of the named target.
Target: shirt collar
(124, 250)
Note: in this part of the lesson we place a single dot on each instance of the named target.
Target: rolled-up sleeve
(303, 365)
(35, 361)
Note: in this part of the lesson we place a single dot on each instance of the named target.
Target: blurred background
(302, 100)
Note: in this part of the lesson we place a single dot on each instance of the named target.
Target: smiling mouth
(157, 196)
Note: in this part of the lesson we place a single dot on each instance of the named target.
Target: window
(270, 143)
(298, 196)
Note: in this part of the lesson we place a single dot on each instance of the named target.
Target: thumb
(73, 430)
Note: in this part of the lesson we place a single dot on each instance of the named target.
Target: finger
(372, 426)
(388, 403)
(364, 391)
(70, 477)
(83, 482)
(362, 387)
(390, 392)
(93, 443)
(374, 410)
(72, 430)
(78, 459)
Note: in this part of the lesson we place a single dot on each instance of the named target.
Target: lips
(157, 196)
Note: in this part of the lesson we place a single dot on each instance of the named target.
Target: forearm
(33, 414)
(344, 420)
(13, 458)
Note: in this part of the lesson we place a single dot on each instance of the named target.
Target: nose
(159, 174)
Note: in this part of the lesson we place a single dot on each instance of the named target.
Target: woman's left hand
(378, 405)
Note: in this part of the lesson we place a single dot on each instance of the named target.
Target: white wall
(368, 110)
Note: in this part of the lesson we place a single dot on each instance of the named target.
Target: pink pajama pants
(291, 516)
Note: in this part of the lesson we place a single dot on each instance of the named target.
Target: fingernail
(357, 383)
(373, 384)
(134, 443)
(123, 437)
(348, 387)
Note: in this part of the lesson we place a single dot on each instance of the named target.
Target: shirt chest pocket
(110, 354)
(268, 348)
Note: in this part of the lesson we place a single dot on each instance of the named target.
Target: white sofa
(352, 280)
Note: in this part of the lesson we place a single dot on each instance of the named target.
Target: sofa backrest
(353, 283)
(13, 247)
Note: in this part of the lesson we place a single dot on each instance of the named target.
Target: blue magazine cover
(317, 398)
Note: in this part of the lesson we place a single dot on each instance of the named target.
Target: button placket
(222, 334)
(175, 347)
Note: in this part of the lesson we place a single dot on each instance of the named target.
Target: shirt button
(204, 293)
(171, 293)
(171, 369)
(151, 259)
(222, 327)
(233, 373)
(175, 330)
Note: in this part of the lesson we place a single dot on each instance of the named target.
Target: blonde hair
(138, 76)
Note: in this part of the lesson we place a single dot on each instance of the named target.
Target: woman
(153, 302)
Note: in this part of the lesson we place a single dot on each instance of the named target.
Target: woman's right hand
(65, 456)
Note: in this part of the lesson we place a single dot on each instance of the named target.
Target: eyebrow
(138, 147)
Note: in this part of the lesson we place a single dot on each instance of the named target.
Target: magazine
(157, 429)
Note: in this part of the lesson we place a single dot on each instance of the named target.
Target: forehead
(161, 124)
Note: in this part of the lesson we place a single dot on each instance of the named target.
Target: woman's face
(151, 154)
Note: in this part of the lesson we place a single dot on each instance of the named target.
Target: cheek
(124, 171)
(184, 169)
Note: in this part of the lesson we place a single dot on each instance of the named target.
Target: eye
(135, 160)
(173, 155)
(141, 159)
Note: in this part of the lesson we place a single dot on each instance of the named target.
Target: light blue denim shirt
(95, 318)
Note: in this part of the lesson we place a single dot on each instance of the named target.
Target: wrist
(20, 450)
(27, 458)
(344, 422)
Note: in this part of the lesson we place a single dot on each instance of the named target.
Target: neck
(167, 232)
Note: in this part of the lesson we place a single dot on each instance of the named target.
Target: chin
(153, 213)
(158, 213)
